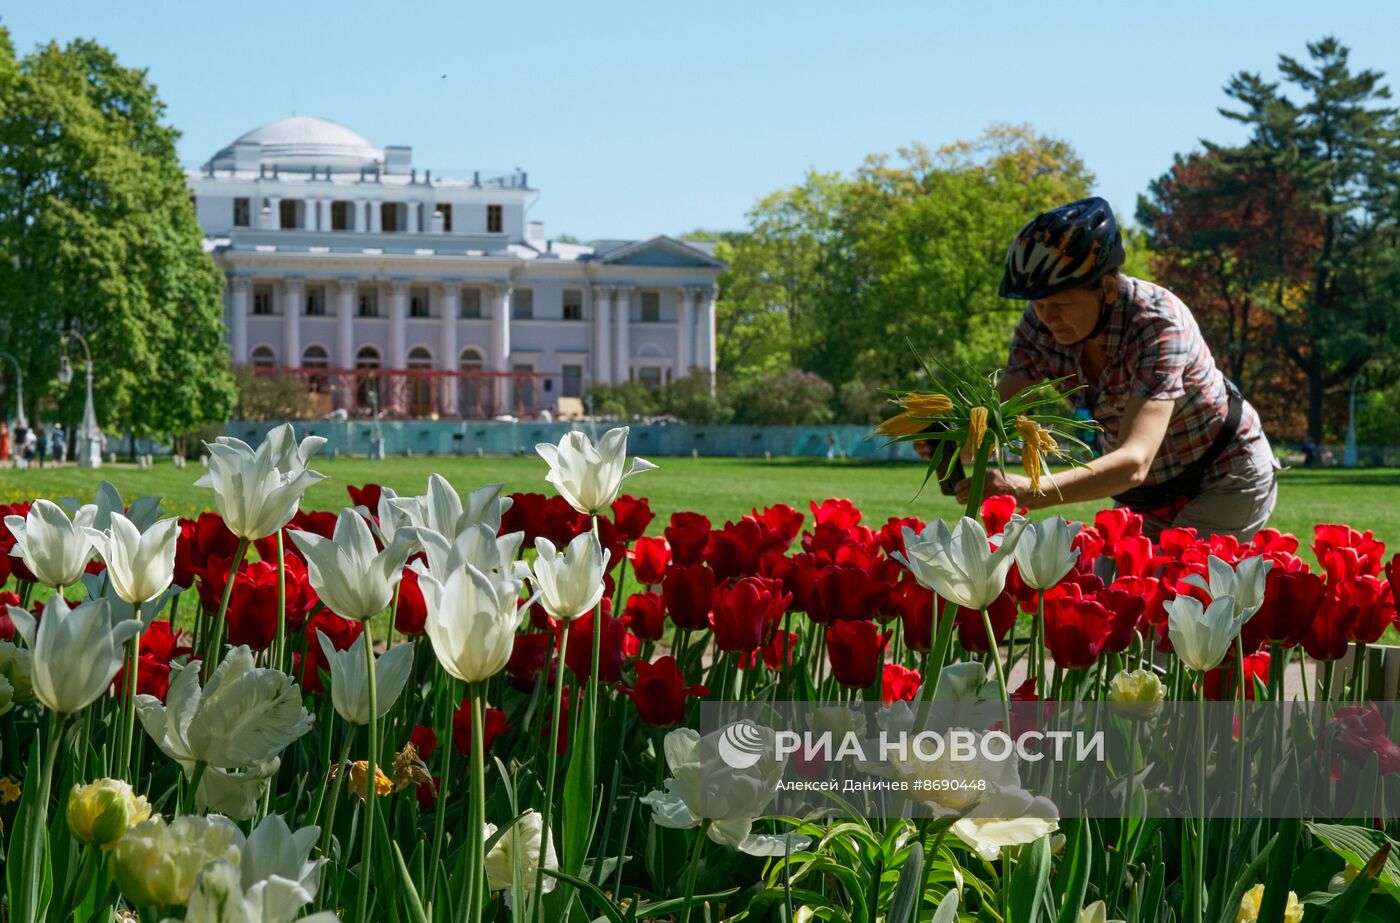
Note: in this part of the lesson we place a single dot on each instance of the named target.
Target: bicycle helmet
(1068, 247)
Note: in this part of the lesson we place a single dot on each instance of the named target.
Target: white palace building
(384, 286)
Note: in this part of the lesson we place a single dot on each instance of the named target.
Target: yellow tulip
(901, 424)
(1136, 695)
(1036, 443)
(926, 405)
(976, 429)
(1254, 897)
(100, 814)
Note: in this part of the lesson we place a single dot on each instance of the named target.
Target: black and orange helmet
(1067, 247)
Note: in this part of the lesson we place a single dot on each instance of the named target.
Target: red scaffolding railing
(423, 393)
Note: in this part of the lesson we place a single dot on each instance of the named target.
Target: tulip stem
(1001, 673)
(37, 829)
(1199, 903)
(129, 718)
(694, 869)
(195, 778)
(476, 892)
(279, 642)
(553, 752)
(371, 782)
(442, 721)
(215, 644)
(340, 771)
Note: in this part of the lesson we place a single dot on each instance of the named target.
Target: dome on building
(303, 142)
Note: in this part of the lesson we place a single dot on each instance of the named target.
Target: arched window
(316, 357)
(367, 358)
(473, 393)
(421, 386)
(366, 384)
(420, 358)
(263, 358)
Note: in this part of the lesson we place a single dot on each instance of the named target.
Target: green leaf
(1280, 871)
(409, 893)
(591, 891)
(1349, 904)
(904, 904)
(1029, 880)
(578, 805)
(1246, 878)
(1072, 879)
(1356, 846)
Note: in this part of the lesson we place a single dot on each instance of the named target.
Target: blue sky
(660, 117)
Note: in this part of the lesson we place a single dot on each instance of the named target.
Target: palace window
(445, 209)
(262, 301)
(572, 380)
(316, 357)
(522, 304)
(389, 216)
(493, 219)
(342, 216)
(651, 307)
(287, 213)
(242, 213)
(419, 303)
(471, 303)
(369, 303)
(573, 304)
(650, 377)
(263, 358)
(315, 302)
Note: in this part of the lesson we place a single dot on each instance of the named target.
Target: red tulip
(1358, 731)
(996, 512)
(1329, 537)
(1272, 541)
(855, 650)
(152, 677)
(777, 654)
(616, 646)
(317, 522)
(899, 684)
(366, 496)
(688, 534)
(745, 616)
(1291, 602)
(1075, 630)
(1256, 667)
(846, 593)
(1329, 635)
(687, 591)
(782, 519)
(798, 573)
(632, 515)
(645, 615)
(972, 634)
(411, 612)
(12, 565)
(1125, 611)
(914, 603)
(7, 625)
(424, 740)
(1090, 546)
(526, 514)
(1117, 523)
(1134, 556)
(890, 538)
(734, 551)
(252, 609)
(200, 540)
(836, 512)
(660, 692)
(1374, 609)
(163, 642)
(649, 557)
(493, 725)
(529, 656)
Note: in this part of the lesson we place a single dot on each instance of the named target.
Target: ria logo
(741, 745)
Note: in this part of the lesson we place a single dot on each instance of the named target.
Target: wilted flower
(409, 768)
(358, 779)
(75, 652)
(960, 565)
(570, 583)
(54, 548)
(590, 477)
(349, 573)
(524, 841)
(157, 863)
(99, 814)
(258, 490)
(139, 565)
(1136, 694)
(350, 683)
(1036, 445)
(976, 429)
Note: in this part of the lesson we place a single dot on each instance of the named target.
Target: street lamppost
(19, 391)
(1349, 453)
(89, 437)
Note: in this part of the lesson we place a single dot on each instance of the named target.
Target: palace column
(292, 294)
(345, 294)
(622, 359)
(685, 331)
(451, 307)
(240, 302)
(602, 334)
(706, 349)
(376, 215)
(500, 345)
(273, 218)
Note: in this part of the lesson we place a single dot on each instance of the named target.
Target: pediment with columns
(660, 251)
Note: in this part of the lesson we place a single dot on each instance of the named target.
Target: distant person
(41, 444)
(30, 443)
(1311, 457)
(830, 445)
(4, 441)
(59, 444)
(1179, 444)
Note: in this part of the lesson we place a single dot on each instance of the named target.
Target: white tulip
(960, 565)
(76, 653)
(237, 793)
(350, 684)
(157, 863)
(478, 545)
(1202, 635)
(219, 896)
(470, 622)
(388, 518)
(590, 477)
(442, 510)
(258, 490)
(242, 718)
(143, 511)
(571, 583)
(1244, 583)
(1045, 552)
(349, 573)
(54, 548)
(524, 840)
(139, 566)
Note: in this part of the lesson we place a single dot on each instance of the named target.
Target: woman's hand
(925, 448)
(1017, 485)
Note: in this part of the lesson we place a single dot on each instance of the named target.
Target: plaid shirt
(1154, 350)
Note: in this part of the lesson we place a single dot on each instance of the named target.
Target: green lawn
(721, 488)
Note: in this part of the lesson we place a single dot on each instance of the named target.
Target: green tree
(97, 234)
(1338, 148)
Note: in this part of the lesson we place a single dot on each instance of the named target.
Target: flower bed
(259, 713)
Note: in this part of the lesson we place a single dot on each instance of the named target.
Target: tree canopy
(97, 234)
